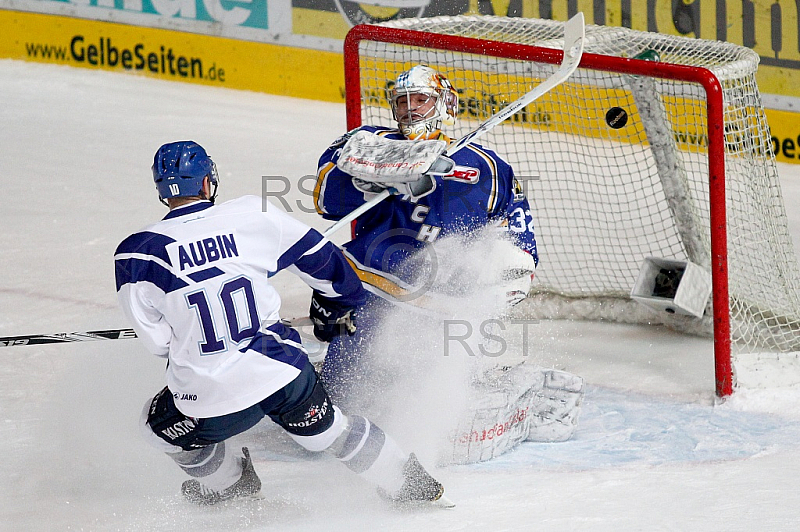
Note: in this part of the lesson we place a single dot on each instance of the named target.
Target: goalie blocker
(407, 166)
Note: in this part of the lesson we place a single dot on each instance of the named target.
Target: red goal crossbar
(619, 65)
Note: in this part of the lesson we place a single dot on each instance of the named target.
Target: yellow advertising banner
(785, 131)
(171, 55)
(769, 27)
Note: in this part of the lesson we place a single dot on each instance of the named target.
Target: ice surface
(652, 451)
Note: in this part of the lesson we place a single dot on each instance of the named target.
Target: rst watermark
(489, 343)
(281, 190)
(467, 337)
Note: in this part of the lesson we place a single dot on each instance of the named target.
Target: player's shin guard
(247, 485)
(373, 455)
(362, 447)
(369, 452)
(215, 466)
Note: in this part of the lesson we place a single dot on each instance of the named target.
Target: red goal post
(388, 50)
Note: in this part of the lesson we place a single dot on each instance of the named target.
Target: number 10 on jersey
(238, 302)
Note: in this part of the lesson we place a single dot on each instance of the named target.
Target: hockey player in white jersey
(196, 288)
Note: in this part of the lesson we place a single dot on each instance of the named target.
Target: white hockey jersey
(195, 287)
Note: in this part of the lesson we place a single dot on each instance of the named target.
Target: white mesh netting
(605, 198)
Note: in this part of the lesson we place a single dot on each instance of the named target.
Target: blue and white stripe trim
(280, 343)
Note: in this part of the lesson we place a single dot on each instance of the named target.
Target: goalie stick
(574, 33)
(574, 36)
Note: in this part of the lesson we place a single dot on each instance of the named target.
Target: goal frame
(716, 138)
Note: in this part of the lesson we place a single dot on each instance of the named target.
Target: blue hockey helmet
(179, 169)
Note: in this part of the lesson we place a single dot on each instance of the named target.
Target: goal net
(657, 146)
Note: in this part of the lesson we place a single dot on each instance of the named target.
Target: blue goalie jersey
(481, 190)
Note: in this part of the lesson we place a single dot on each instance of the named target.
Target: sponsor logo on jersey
(198, 254)
(184, 396)
(181, 428)
(464, 174)
(314, 415)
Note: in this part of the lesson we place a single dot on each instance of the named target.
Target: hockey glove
(330, 318)
(368, 187)
(422, 187)
(427, 182)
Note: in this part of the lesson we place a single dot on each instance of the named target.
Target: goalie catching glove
(416, 189)
(407, 166)
(330, 318)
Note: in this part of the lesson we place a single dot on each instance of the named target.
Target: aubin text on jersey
(200, 253)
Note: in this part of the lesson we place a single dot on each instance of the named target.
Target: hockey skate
(248, 486)
(419, 488)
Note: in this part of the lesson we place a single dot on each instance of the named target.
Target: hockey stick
(574, 33)
(60, 338)
(358, 211)
(88, 336)
(574, 36)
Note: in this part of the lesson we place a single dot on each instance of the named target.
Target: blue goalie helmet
(179, 169)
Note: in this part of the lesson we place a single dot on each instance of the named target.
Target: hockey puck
(616, 117)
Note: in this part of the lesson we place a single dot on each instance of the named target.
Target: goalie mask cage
(689, 176)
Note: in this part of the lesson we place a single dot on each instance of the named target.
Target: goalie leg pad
(515, 404)
(556, 407)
